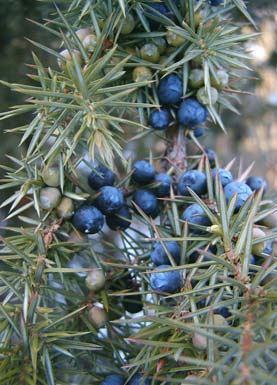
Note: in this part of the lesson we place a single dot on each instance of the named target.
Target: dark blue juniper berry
(192, 113)
(196, 215)
(143, 172)
(242, 190)
(113, 379)
(166, 281)
(163, 9)
(139, 379)
(224, 311)
(159, 119)
(170, 89)
(225, 176)
(110, 200)
(132, 303)
(101, 176)
(159, 255)
(195, 180)
(147, 202)
(211, 154)
(215, 3)
(88, 219)
(256, 183)
(121, 220)
(195, 254)
(198, 132)
(164, 182)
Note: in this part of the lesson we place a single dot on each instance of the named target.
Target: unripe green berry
(222, 79)
(191, 379)
(82, 33)
(98, 317)
(258, 248)
(95, 280)
(128, 24)
(219, 320)
(65, 209)
(90, 42)
(196, 78)
(199, 341)
(269, 221)
(51, 176)
(49, 198)
(141, 74)
(174, 40)
(68, 58)
(150, 52)
(203, 97)
(160, 43)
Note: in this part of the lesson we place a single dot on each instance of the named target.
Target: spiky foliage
(82, 109)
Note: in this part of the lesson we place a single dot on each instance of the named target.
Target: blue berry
(159, 119)
(163, 9)
(164, 182)
(143, 172)
(191, 112)
(224, 311)
(139, 379)
(159, 255)
(110, 200)
(198, 132)
(242, 190)
(196, 215)
(101, 176)
(88, 219)
(113, 379)
(121, 220)
(133, 303)
(195, 180)
(147, 201)
(170, 89)
(256, 183)
(225, 176)
(166, 281)
(215, 3)
(211, 154)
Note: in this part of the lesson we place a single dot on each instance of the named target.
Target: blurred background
(252, 136)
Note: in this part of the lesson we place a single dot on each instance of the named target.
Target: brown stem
(176, 152)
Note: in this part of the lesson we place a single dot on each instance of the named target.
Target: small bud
(95, 279)
(216, 229)
(49, 198)
(98, 317)
(199, 341)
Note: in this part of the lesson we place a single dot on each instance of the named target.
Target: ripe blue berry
(113, 379)
(101, 176)
(191, 112)
(224, 311)
(256, 183)
(215, 3)
(196, 215)
(166, 281)
(139, 379)
(143, 172)
(110, 200)
(133, 303)
(225, 176)
(147, 201)
(195, 180)
(121, 220)
(242, 190)
(198, 132)
(88, 219)
(211, 154)
(159, 255)
(159, 119)
(164, 182)
(170, 89)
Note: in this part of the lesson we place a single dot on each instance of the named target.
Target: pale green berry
(150, 52)
(95, 280)
(191, 379)
(203, 97)
(90, 42)
(199, 341)
(258, 248)
(65, 209)
(49, 198)
(82, 33)
(51, 176)
(68, 57)
(160, 43)
(269, 221)
(98, 317)
(196, 78)
(222, 79)
(128, 24)
(141, 74)
(174, 40)
(219, 320)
